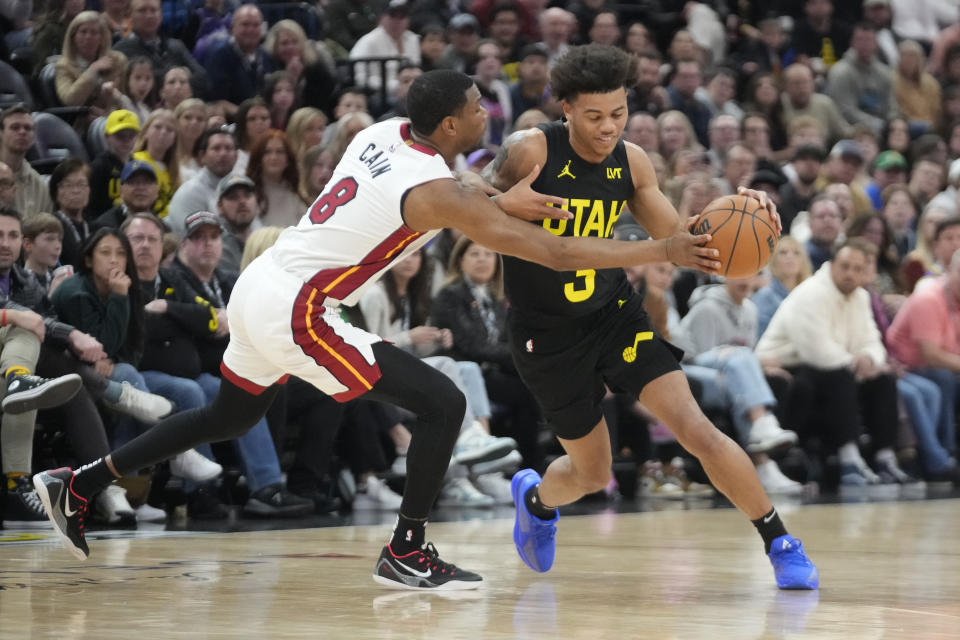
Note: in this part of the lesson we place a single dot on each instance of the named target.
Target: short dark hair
(204, 140)
(10, 212)
(149, 217)
(858, 243)
(592, 68)
(943, 225)
(65, 168)
(434, 96)
(20, 107)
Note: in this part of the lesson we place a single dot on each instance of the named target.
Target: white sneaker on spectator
(496, 486)
(193, 466)
(476, 445)
(142, 405)
(774, 481)
(506, 464)
(460, 492)
(653, 483)
(376, 495)
(766, 435)
(112, 506)
(675, 473)
(147, 513)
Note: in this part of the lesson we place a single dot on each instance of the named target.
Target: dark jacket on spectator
(171, 337)
(210, 349)
(806, 41)
(169, 52)
(78, 302)
(112, 218)
(456, 308)
(696, 111)
(26, 294)
(104, 184)
(234, 77)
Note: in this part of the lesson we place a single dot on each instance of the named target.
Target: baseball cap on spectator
(847, 149)
(534, 49)
(890, 161)
(231, 181)
(464, 22)
(137, 166)
(120, 120)
(398, 8)
(199, 219)
(810, 151)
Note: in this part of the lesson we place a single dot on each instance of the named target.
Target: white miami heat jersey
(354, 231)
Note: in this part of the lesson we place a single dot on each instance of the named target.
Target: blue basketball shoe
(791, 566)
(534, 537)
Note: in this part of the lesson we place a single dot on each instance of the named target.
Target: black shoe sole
(47, 396)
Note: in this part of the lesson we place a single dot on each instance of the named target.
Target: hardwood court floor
(888, 570)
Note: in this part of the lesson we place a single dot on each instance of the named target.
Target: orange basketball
(742, 231)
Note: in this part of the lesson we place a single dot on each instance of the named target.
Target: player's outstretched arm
(513, 171)
(448, 203)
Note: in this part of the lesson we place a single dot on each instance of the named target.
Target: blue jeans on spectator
(126, 428)
(742, 376)
(946, 429)
(474, 388)
(921, 398)
(256, 449)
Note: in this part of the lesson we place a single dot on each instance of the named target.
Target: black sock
(770, 528)
(535, 505)
(408, 535)
(92, 478)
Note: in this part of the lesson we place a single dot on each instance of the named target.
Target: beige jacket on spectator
(818, 326)
(33, 196)
(78, 86)
(825, 111)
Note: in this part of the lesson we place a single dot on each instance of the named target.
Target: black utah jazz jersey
(595, 194)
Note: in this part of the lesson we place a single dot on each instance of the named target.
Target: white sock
(849, 454)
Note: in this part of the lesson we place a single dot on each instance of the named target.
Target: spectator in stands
(279, 91)
(348, 20)
(764, 50)
(738, 165)
(42, 239)
(217, 152)
(504, 27)
(116, 15)
(146, 40)
(884, 284)
(89, 73)
(530, 91)
(8, 186)
(138, 193)
(175, 88)
(926, 179)
(463, 31)
(637, 38)
(825, 224)
(789, 266)
(844, 166)
(824, 333)
(648, 94)
(889, 168)
(305, 129)
(16, 137)
(896, 136)
(720, 92)
(755, 133)
(494, 93)
(860, 84)
(157, 146)
(237, 66)
(347, 127)
(946, 241)
(800, 98)
(433, 42)
(238, 208)
(819, 34)
(390, 39)
(121, 129)
(196, 267)
(51, 29)
(675, 133)
(923, 336)
(316, 168)
(682, 92)
(557, 27)
(723, 131)
(253, 120)
(763, 97)
(308, 63)
(899, 212)
(916, 92)
(273, 169)
(406, 74)
(205, 25)
(70, 192)
(137, 87)
(920, 261)
(191, 117)
(605, 29)
(641, 130)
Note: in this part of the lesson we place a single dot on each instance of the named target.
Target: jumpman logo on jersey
(566, 171)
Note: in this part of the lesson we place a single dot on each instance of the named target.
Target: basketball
(742, 231)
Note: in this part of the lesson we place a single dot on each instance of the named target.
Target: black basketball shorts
(568, 367)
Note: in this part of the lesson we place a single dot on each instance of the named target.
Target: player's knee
(698, 436)
(595, 478)
(448, 401)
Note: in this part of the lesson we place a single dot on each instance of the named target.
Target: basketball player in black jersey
(573, 333)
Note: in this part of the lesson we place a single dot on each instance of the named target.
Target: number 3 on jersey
(339, 194)
(580, 290)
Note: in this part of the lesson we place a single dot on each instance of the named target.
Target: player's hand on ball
(521, 201)
(767, 203)
(687, 250)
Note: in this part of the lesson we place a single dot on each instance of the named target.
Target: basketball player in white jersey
(390, 193)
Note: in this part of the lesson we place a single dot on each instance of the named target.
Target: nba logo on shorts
(529, 346)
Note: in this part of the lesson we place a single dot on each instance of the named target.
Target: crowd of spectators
(212, 125)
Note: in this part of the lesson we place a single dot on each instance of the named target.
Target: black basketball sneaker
(422, 570)
(65, 508)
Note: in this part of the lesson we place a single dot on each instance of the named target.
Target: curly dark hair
(592, 68)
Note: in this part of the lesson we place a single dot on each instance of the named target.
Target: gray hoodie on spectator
(715, 320)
